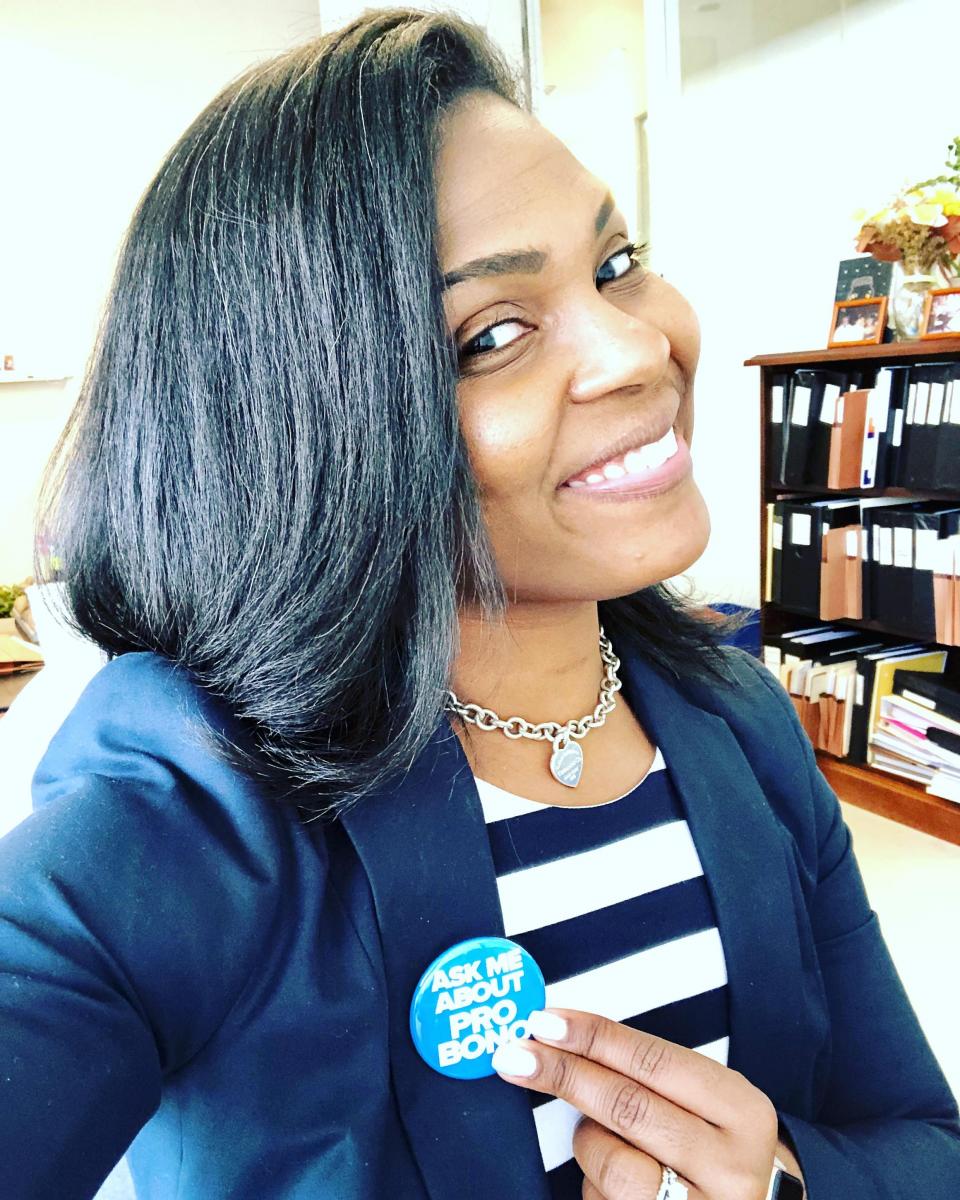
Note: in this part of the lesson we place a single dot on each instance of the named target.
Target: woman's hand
(647, 1102)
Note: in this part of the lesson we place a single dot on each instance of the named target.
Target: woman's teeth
(634, 462)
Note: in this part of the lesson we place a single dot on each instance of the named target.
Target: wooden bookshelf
(889, 352)
(888, 795)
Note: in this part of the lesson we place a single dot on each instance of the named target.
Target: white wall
(593, 91)
(756, 169)
(92, 95)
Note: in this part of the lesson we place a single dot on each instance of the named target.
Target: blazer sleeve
(887, 1128)
(132, 914)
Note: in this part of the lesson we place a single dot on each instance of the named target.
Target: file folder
(850, 428)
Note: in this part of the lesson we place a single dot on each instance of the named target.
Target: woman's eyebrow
(516, 262)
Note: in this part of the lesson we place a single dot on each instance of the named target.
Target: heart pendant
(566, 765)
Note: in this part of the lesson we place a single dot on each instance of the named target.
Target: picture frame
(859, 278)
(941, 316)
(858, 322)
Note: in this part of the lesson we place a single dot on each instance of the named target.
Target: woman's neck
(544, 664)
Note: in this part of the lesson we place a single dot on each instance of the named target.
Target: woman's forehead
(503, 180)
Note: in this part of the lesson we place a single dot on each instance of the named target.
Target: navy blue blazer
(190, 969)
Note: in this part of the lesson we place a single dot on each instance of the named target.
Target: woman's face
(571, 356)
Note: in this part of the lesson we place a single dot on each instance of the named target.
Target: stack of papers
(918, 734)
(837, 679)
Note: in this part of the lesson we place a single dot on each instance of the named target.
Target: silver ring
(671, 1188)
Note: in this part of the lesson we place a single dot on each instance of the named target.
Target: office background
(739, 135)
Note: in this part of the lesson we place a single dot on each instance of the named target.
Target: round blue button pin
(471, 999)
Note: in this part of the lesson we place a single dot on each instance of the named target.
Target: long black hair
(264, 478)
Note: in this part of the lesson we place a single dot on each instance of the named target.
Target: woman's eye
(629, 258)
(493, 338)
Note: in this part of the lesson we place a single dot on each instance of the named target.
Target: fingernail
(512, 1059)
(549, 1025)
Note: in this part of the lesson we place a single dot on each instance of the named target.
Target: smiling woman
(380, 468)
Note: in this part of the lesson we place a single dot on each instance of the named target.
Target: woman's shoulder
(134, 767)
(147, 868)
(144, 723)
(759, 713)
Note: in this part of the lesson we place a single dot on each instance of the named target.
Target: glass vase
(908, 296)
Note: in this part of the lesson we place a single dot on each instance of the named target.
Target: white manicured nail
(547, 1025)
(512, 1059)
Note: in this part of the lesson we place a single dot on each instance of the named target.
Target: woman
(387, 419)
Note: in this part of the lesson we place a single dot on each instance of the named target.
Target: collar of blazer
(424, 848)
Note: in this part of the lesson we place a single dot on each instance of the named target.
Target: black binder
(775, 403)
(923, 425)
(890, 389)
(946, 469)
(931, 689)
(800, 557)
(900, 567)
(813, 400)
(804, 523)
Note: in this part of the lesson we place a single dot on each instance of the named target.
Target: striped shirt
(612, 903)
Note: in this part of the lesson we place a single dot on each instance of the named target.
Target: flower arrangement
(920, 227)
(8, 596)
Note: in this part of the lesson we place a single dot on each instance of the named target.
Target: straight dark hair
(264, 478)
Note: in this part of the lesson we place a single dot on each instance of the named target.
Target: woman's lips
(642, 483)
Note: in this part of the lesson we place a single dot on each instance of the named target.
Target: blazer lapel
(424, 847)
(776, 1015)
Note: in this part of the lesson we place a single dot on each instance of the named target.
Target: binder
(797, 432)
(814, 395)
(771, 581)
(902, 562)
(933, 692)
(800, 556)
(805, 522)
(946, 467)
(828, 390)
(892, 387)
(921, 452)
(776, 404)
(940, 555)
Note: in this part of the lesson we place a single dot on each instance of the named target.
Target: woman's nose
(613, 350)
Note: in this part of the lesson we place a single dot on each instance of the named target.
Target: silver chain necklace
(566, 761)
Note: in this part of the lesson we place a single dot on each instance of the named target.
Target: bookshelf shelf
(875, 626)
(948, 348)
(877, 791)
(19, 377)
(892, 797)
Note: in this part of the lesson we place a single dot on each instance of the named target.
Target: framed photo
(941, 313)
(858, 278)
(858, 322)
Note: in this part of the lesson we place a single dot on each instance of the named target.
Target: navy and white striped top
(611, 901)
